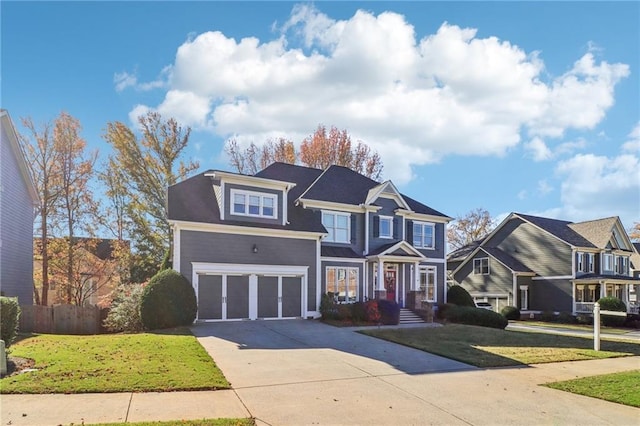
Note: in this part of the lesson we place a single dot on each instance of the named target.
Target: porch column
(416, 276)
(380, 292)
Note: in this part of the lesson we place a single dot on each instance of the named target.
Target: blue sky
(531, 107)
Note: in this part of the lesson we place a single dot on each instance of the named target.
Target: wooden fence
(62, 319)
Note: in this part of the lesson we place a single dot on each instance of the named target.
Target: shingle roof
(607, 277)
(340, 185)
(303, 177)
(346, 252)
(510, 262)
(463, 251)
(418, 207)
(598, 232)
(560, 229)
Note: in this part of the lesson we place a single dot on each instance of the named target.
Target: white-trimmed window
(585, 262)
(423, 235)
(386, 227)
(607, 262)
(481, 266)
(338, 226)
(257, 204)
(342, 283)
(524, 297)
(428, 283)
(622, 263)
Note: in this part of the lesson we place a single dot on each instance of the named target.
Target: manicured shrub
(566, 318)
(459, 296)
(344, 312)
(612, 304)
(9, 319)
(389, 312)
(511, 312)
(358, 312)
(372, 311)
(168, 301)
(442, 310)
(548, 316)
(476, 316)
(328, 307)
(124, 312)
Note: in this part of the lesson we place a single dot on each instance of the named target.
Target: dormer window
(257, 204)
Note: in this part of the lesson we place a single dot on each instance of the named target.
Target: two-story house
(18, 197)
(540, 264)
(269, 245)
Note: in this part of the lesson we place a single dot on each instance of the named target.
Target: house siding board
(214, 247)
(16, 228)
(551, 295)
(228, 207)
(542, 253)
(357, 242)
(498, 281)
(388, 209)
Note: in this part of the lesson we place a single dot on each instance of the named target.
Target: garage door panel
(291, 297)
(237, 297)
(210, 297)
(267, 297)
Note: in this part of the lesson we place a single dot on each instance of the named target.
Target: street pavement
(304, 372)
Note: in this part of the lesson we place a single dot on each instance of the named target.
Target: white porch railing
(587, 307)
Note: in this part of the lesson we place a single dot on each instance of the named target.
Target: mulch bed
(16, 364)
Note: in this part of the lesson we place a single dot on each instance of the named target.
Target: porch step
(409, 317)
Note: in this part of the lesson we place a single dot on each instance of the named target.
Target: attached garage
(238, 292)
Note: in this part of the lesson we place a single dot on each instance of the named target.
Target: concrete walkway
(304, 372)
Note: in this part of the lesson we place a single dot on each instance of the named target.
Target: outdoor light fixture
(255, 248)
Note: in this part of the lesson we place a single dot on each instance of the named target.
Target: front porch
(587, 292)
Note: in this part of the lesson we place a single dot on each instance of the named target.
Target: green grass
(148, 362)
(204, 422)
(488, 347)
(623, 388)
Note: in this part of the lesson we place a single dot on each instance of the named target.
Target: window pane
(238, 203)
(343, 222)
(342, 235)
(331, 280)
(353, 285)
(385, 227)
(328, 220)
(254, 204)
(417, 235)
(428, 236)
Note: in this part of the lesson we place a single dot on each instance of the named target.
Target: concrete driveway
(304, 372)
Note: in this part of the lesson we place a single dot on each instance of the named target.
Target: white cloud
(413, 100)
(633, 144)
(538, 149)
(544, 188)
(522, 195)
(123, 80)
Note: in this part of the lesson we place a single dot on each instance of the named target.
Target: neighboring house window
(338, 226)
(524, 297)
(588, 293)
(256, 204)
(614, 290)
(585, 262)
(481, 266)
(428, 283)
(621, 265)
(423, 235)
(343, 284)
(386, 227)
(607, 262)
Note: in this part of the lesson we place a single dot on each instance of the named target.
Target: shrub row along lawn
(148, 362)
(623, 388)
(488, 347)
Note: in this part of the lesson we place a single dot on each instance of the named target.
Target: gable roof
(507, 260)
(598, 231)
(12, 139)
(464, 251)
(558, 228)
(303, 177)
(339, 184)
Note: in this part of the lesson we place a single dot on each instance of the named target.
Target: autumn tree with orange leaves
(320, 150)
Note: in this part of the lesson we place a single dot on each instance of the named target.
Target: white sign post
(596, 323)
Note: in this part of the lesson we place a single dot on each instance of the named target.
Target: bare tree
(473, 226)
(634, 233)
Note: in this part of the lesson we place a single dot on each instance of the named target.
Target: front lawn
(488, 347)
(147, 362)
(623, 388)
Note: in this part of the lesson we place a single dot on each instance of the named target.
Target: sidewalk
(633, 336)
(59, 409)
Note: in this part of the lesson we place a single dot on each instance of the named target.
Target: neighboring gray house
(18, 197)
(269, 245)
(540, 264)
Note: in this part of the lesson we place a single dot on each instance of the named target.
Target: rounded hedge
(459, 296)
(476, 316)
(511, 312)
(9, 319)
(612, 304)
(168, 301)
(389, 312)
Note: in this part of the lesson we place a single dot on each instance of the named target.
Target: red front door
(390, 284)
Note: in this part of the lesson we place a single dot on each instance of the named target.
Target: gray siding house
(18, 197)
(540, 264)
(268, 246)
